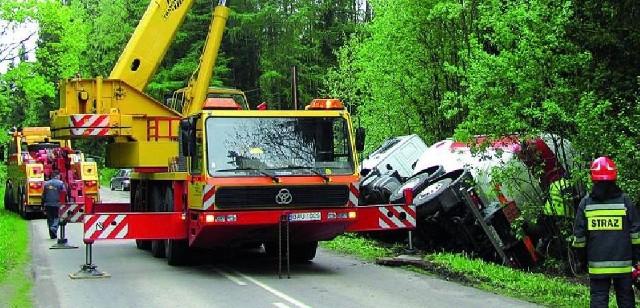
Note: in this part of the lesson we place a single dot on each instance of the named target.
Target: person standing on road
(53, 188)
(608, 227)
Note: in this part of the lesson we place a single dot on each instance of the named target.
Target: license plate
(305, 216)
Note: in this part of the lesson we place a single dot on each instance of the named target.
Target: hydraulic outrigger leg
(63, 242)
(89, 270)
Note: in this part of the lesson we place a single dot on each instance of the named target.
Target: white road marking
(280, 305)
(235, 279)
(273, 291)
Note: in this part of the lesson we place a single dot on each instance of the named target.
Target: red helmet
(603, 169)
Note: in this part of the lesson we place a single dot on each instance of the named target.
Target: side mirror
(360, 136)
(263, 106)
(185, 136)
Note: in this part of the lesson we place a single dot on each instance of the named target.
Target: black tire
(157, 197)
(423, 197)
(22, 198)
(111, 186)
(143, 244)
(9, 203)
(177, 252)
(303, 252)
(137, 207)
(417, 182)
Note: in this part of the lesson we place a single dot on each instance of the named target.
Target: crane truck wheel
(137, 207)
(417, 182)
(304, 252)
(157, 199)
(176, 251)
(300, 252)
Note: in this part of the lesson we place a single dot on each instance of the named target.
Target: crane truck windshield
(317, 146)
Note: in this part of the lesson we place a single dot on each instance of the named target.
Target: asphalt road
(249, 279)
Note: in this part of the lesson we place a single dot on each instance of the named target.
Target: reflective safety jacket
(609, 231)
(559, 203)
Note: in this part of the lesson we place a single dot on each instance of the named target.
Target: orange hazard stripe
(530, 248)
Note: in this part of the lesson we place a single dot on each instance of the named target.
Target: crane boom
(150, 42)
(198, 87)
(137, 126)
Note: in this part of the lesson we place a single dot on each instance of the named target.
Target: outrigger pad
(89, 271)
(62, 243)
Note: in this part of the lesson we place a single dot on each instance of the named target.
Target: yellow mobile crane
(216, 174)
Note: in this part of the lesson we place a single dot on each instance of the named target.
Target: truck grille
(282, 196)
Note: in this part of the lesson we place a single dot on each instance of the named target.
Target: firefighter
(53, 188)
(608, 227)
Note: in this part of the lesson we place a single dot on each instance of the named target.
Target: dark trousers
(600, 291)
(53, 220)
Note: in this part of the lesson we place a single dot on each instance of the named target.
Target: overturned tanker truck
(461, 204)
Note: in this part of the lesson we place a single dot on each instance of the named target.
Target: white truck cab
(401, 153)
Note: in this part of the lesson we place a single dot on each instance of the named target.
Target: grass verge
(531, 287)
(15, 281)
(352, 244)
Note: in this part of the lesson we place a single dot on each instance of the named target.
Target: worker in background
(608, 227)
(51, 193)
(560, 198)
(557, 212)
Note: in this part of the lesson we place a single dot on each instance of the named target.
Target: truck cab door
(191, 147)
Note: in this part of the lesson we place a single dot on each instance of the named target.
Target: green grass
(531, 287)
(352, 244)
(15, 281)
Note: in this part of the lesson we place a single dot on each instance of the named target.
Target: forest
(436, 68)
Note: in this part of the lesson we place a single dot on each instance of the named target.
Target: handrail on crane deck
(153, 125)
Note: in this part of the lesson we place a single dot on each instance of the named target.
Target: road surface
(249, 279)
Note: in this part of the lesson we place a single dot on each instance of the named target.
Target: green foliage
(111, 23)
(29, 89)
(518, 61)
(274, 36)
(403, 69)
(105, 176)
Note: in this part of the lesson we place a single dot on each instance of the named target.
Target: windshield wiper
(310, 169)
(273, 177)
